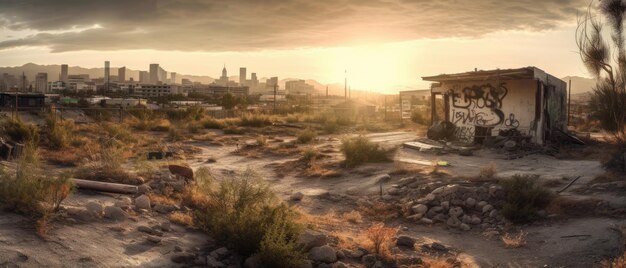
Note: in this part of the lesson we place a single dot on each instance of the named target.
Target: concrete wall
(500, 105)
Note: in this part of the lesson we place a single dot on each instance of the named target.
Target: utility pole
(569, 100)
(326, 91)
(345, 85)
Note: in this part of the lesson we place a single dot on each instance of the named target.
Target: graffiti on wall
(481, 105)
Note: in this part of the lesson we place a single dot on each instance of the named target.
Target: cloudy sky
(385, 45)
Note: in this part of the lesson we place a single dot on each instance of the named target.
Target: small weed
(181, 218)
(306, 136)
(381, 238)
(514, 240)
(359, 150)
(353, 217)
(523, 198)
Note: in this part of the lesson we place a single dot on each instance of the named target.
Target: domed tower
(224, 74)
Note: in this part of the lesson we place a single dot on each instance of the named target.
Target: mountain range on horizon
(578, 84)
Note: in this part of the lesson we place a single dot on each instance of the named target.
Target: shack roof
(481, 75)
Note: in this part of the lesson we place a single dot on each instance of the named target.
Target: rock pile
(461, 207)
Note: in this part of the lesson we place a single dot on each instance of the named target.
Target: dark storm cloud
(267, 24)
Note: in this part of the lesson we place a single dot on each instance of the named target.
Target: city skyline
(390, 51)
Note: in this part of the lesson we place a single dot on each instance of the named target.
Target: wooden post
(106, 186)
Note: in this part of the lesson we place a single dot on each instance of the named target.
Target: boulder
(253, 261)
(406, 181)
(453, 222)
(487, 208)
(144, 189)
(476, 220)
(211, 262)
(142, 202)
(95, 208)
(124, 202)
(369, 260)
(154, 239)
(415, 217)
(219, 253)
(445, 205)
(339, 265)
(183, 257)
(420, 209)
(115, 213)
(310, 239)
(455, 212)
(480, 205)
(470, 202)
(436, 209)
(357, 253)
(297, 196)
(426, 221)
(465, 227)
(165, 209)
(324, 253)
(405, 241)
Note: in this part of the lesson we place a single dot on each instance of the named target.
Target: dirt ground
(553, 242)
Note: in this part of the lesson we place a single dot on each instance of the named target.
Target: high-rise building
(63, 77)
(121, 74)
(253, 80)
(173, 77)
(106, 72)
(144, 77)
(154, 73)
(41, 82)
(299, 87)
(242, 76)
(162, 75)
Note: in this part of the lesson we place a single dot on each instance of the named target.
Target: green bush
(59, 132)
(523, 198)
(20, 131)
(310, 154)
(306, 136)
(360, 149)
(245, 215)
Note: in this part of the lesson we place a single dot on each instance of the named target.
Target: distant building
(162, 75)
(299, 87)
(186, 82)
(24, 100)
(254, 81)
(106, 72)
(63, 77)
(173, 77)
(144, 77)
(154, 73)
(121, 74)
(80, 82)
(41, 82)
(148, 91)
(242, 76)
(8, 81)
(235, 90)
(56, 86)
(223, 80)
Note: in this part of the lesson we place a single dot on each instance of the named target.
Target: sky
(380, 45)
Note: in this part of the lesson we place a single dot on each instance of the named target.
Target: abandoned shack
(525, 101)
(24, 100)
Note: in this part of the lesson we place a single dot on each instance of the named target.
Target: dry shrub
(261, 141)
(309, 154)
(436, 263)
(255, 120)
(607, 177)
(306, 136)
(488, 171)
(618, 262)
(514, 240)
(59, 133)
(162, 199)
(212, 123)
(381, 238)
(405, 169)
(174, 134)
(30, 191)
(353, 217)
(380, 211)
(19, 131)
(572, 207)
(359, 150)
(181, 218)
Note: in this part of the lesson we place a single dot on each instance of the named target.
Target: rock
(387, 197)
(445, 205)
(491, 234)
(405, 241)
(306, 264)
(95, 208)
(165, 209)
(115, 213)
(296, 196)
(453, 222)
(455, 212)
(440, 217)
(183, 257)
(393, 191)
(154, 239)
(85, 215)
(219, 253)
(438, 246)
(465, 227)
(383, 178)
(211, 262)
(456, 202)
(341, 254)
(324, 253)
(465, 152)
(178, 249)
(253, 261)
(510, 145)
(148, 230)
(493, 213)
(339, 265)
(415, 217)
(142, 202)
(369, 260)
(406, 181)
(124, 202)
(480, 205)
(357, 254)
(439, 190)
(420, 209)
(470, 202)
(476, 220)
(310, 239)
(435, 209)
(166, 226)
(426, 221)
(487, 208)
(324, 265)
(179, 186)
(450, 189)
(144, 189)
